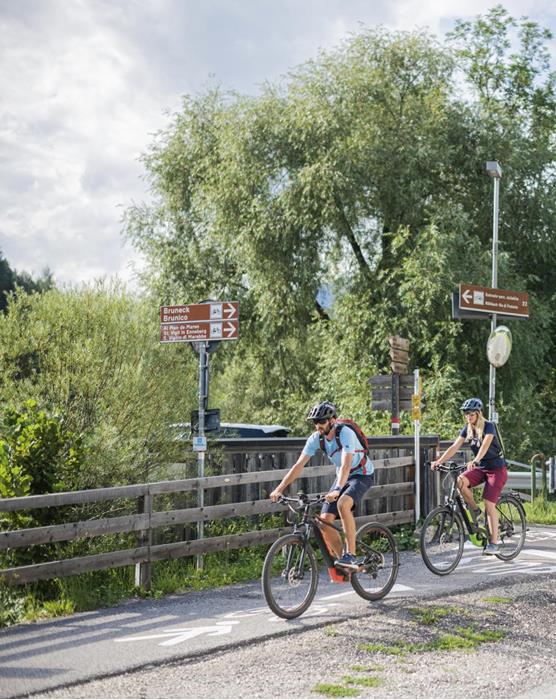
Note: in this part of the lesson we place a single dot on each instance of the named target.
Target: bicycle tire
(431, 537)
(365, 582)
(278, 589)
(507, 527)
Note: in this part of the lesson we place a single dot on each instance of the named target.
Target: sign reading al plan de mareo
(189, 323)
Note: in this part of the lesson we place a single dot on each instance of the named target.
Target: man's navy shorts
(356, 487)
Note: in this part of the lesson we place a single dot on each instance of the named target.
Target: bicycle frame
(455, 498)
(310, 525)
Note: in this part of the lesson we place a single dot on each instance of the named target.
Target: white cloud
(86, 83)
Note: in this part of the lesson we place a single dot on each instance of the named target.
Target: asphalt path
(41, 656)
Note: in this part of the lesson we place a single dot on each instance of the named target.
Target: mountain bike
(444, 531)
(291, 568)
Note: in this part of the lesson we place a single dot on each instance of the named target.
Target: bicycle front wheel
(290, 576)
(442, 540)
(376, 547)
(512, 527)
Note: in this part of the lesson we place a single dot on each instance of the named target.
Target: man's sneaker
(491, 549)
(348, 561)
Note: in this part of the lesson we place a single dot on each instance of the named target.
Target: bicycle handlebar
(301, 500)
(449, 467)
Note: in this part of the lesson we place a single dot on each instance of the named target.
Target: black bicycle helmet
(321, 411)
(472, 405)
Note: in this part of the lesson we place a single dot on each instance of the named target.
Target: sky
(85, 85)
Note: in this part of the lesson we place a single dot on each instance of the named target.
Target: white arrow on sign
(176, 636)
(467, 296)
(229, 310)
(230, 329)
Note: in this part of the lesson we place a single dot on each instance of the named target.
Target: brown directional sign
(459, 314)
(210, 311)
(190, 332)
(400, 356)
(493, 301)
(399, 343)
(381, 387)
(190, 323)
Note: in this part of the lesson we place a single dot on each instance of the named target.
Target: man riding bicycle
(354, 476)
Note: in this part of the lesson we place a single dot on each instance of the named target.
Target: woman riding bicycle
(354, 476)
(488, 465)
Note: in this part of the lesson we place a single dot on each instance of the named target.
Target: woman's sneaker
(348, 561)
(491, 549)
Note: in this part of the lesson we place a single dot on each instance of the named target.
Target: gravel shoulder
(496, 642)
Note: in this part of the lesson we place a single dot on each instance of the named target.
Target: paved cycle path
(40, 656)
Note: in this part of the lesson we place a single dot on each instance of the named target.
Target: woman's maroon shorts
(494, 478)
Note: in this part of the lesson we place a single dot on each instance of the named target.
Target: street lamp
(495, 172)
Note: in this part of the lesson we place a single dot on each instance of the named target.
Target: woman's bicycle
(291, 568)
(444, 531)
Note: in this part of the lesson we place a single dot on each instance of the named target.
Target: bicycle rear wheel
(290, 576)
(442, 540)
(376, 546)
(512, 527)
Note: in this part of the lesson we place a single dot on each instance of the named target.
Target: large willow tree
(347, 202)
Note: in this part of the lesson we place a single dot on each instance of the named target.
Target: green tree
(37, 454)
(93, 356)
(360, 180)
(10, 280)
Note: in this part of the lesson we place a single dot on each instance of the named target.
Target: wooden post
(395, 404)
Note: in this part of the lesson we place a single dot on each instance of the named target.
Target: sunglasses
(321, 422)
(469, 413)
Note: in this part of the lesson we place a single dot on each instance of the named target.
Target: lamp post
(495, 172)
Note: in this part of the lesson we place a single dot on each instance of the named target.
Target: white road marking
(395, 587)
(538, 535)
(244, 613)
(176, 636)
(540, 553)
(315, 609)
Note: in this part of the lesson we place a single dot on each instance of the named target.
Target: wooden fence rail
(144, 523)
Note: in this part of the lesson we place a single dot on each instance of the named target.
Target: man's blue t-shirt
(494, 456)
(350, 444)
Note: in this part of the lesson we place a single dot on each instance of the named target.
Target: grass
(430, 616)
(329, 631)
(98, 589)
(497, 599)
(405, 537)
(541, 512)
(363, 681)
(395, 649)
(332, 690)
(464, 638)
(363, 669)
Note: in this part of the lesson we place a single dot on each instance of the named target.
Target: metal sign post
(202, 441)
(203, 325)
(416, 415)
(494, 171)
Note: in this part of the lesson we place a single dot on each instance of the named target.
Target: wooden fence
(240, 494)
